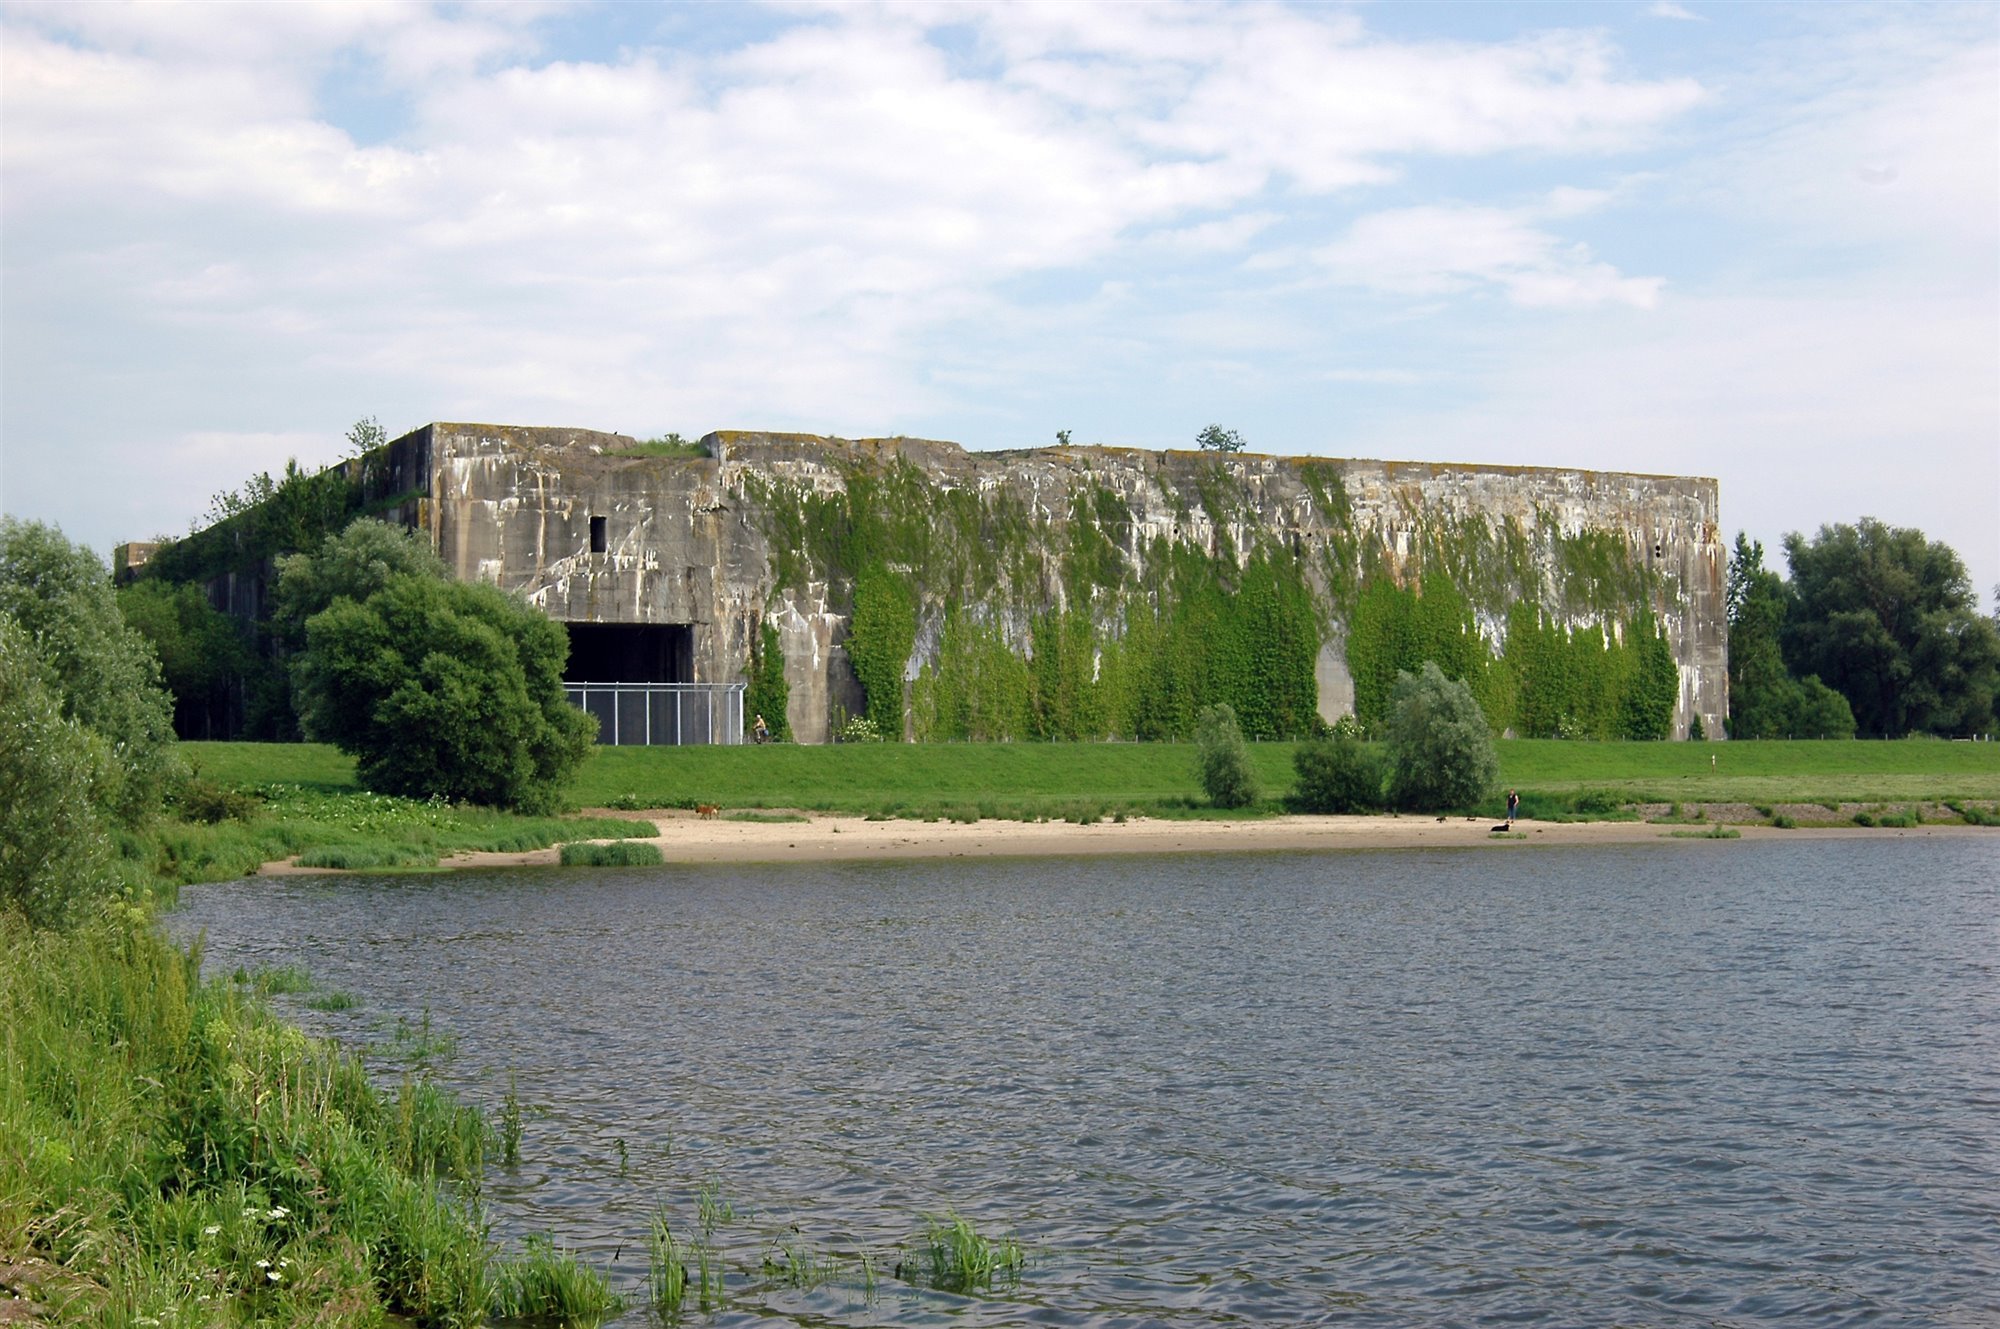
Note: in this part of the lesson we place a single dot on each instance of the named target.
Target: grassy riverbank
(238, 826)
(171, 1154)
(1043, 779)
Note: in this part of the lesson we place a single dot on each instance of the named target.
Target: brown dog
(706, 809)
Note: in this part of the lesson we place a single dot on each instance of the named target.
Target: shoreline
(686, 839)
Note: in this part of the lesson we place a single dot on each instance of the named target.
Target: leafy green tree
(444, 689)
(354, 562)
(1214, 438)
(1337, 773)
(55, 854)
(1889, 620)
(102, 674)
(1440, 749)
(366, 435)
(1763, 698)
(1223, 761)
(202, 651)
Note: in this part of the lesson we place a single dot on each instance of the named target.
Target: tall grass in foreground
(185, 1158)
(548, 1283)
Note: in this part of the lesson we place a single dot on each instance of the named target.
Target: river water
(1686, 1083)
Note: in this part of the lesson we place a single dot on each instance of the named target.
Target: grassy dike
(1046, 779)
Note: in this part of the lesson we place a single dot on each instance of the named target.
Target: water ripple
(1613, 1085)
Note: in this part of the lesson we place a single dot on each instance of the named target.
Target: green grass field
(1016, 779)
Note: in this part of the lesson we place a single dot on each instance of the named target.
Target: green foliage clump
(102, 675)
(352, 563)
(1337, 773)
(617, 854)
(768, 694)
(954, 1256)
(55, 847)
(189, 1160)
(546, 1283)
(1214, 438)
(1224, 764)
(270, 516)
(1888, 619)
(979, 689)
(1440, 750)
(444, 689)
(202, 651)
(881, 635)
(1394, 630)
(670, 445)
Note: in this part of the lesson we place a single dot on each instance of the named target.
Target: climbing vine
(768, 694)
(1067, 622)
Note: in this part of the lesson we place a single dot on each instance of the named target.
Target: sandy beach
(687, 838)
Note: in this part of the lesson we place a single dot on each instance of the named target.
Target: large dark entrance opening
(630, 653)
(637, 681)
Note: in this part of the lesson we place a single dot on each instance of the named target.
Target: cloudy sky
(1757, 242)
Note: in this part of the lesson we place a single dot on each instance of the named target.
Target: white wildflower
(211, 1229)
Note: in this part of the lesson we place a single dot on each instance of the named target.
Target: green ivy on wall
(768, 694)
(1112, 639)
(880, 636)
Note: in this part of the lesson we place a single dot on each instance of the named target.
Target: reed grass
(510, 1123)
(954, 1256)
(618, 854)
(546, 1282)
(666, 1267)
(1715, 832)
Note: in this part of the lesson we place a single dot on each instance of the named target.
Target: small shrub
(1223, 761)
(1783, 821)
(617, 854)
(1596, 802)
(1337, 774)
(209, 803)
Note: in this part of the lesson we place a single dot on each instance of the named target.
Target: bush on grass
(1337, 773)
(1223, 763)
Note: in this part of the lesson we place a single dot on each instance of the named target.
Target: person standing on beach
(1513, 805)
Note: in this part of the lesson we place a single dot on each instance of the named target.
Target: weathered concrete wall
(688, 540)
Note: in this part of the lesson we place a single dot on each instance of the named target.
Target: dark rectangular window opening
(597, 540)
(630, 652)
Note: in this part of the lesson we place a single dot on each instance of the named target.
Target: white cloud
(870, 218)
(1668, 9)
(1445, 249)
